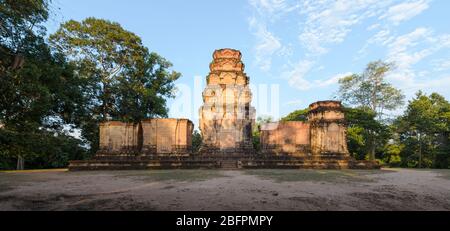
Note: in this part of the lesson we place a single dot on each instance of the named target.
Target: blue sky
(294, 51)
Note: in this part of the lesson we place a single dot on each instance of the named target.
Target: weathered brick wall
(167, 136)
(291, 137)
(118, 137)
(150, 137)
(324, 133)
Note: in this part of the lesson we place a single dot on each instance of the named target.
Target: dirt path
(387, 189)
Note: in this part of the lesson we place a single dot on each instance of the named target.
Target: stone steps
(228, 164)
(218, 163)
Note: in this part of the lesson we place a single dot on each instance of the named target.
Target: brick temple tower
(328, 129)
(226, 117)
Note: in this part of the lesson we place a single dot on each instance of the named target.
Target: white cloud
(405, 52)
(273, 9)
(373, 27)
(441, 64)
(329, 22)
(404, 42)
(293, 102)
(325, 23)
(296, 77)
(408, 50)
(331, 81)
(267, 44)
(440, 84)
(382, 37)
(405, 11)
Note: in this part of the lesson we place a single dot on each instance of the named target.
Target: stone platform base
(220, 162)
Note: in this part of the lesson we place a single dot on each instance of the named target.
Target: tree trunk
(18, 62)
(372, 150)
(372, 147)
(420, 152)
(20, 163)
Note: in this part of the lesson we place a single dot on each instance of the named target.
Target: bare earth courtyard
(386, 189)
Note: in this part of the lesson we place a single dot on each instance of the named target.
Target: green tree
(369, 90)
(196, 141)
(38, 90)
(297, 115)
(424, 131)
(125, 81)
(256, 134)
(364, 131)
(42, 149)
(20, 27)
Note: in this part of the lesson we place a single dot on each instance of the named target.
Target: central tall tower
(226, 117)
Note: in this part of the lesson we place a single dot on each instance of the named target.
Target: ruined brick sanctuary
(226, 123)
(226, 117)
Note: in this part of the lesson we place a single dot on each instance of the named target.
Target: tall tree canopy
(363, 129)
(297, 115)
(125, 81)
(38, 90)
(370, 89)
(424, 129)
(20, 28)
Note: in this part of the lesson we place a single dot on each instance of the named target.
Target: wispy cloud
(409, 49)
(329, 22)
(293, 103)
(441, 64)
(273, 9)
(296, 77)
(323, 24)
(332, 80)
(405, 11)
(266, 45)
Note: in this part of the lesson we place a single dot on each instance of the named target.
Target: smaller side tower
(328, 129)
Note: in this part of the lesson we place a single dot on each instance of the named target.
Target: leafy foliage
(363, 131)
(424, 131)
(370, 89)
(256, 134)
(40, 149)
(124, 81)
(91, 71)
(297, 115)
(196, 141)
(38, 89)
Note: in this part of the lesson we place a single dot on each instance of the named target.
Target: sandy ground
(387, 189)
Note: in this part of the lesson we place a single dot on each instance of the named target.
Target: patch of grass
(172, 175)
(290, 175)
